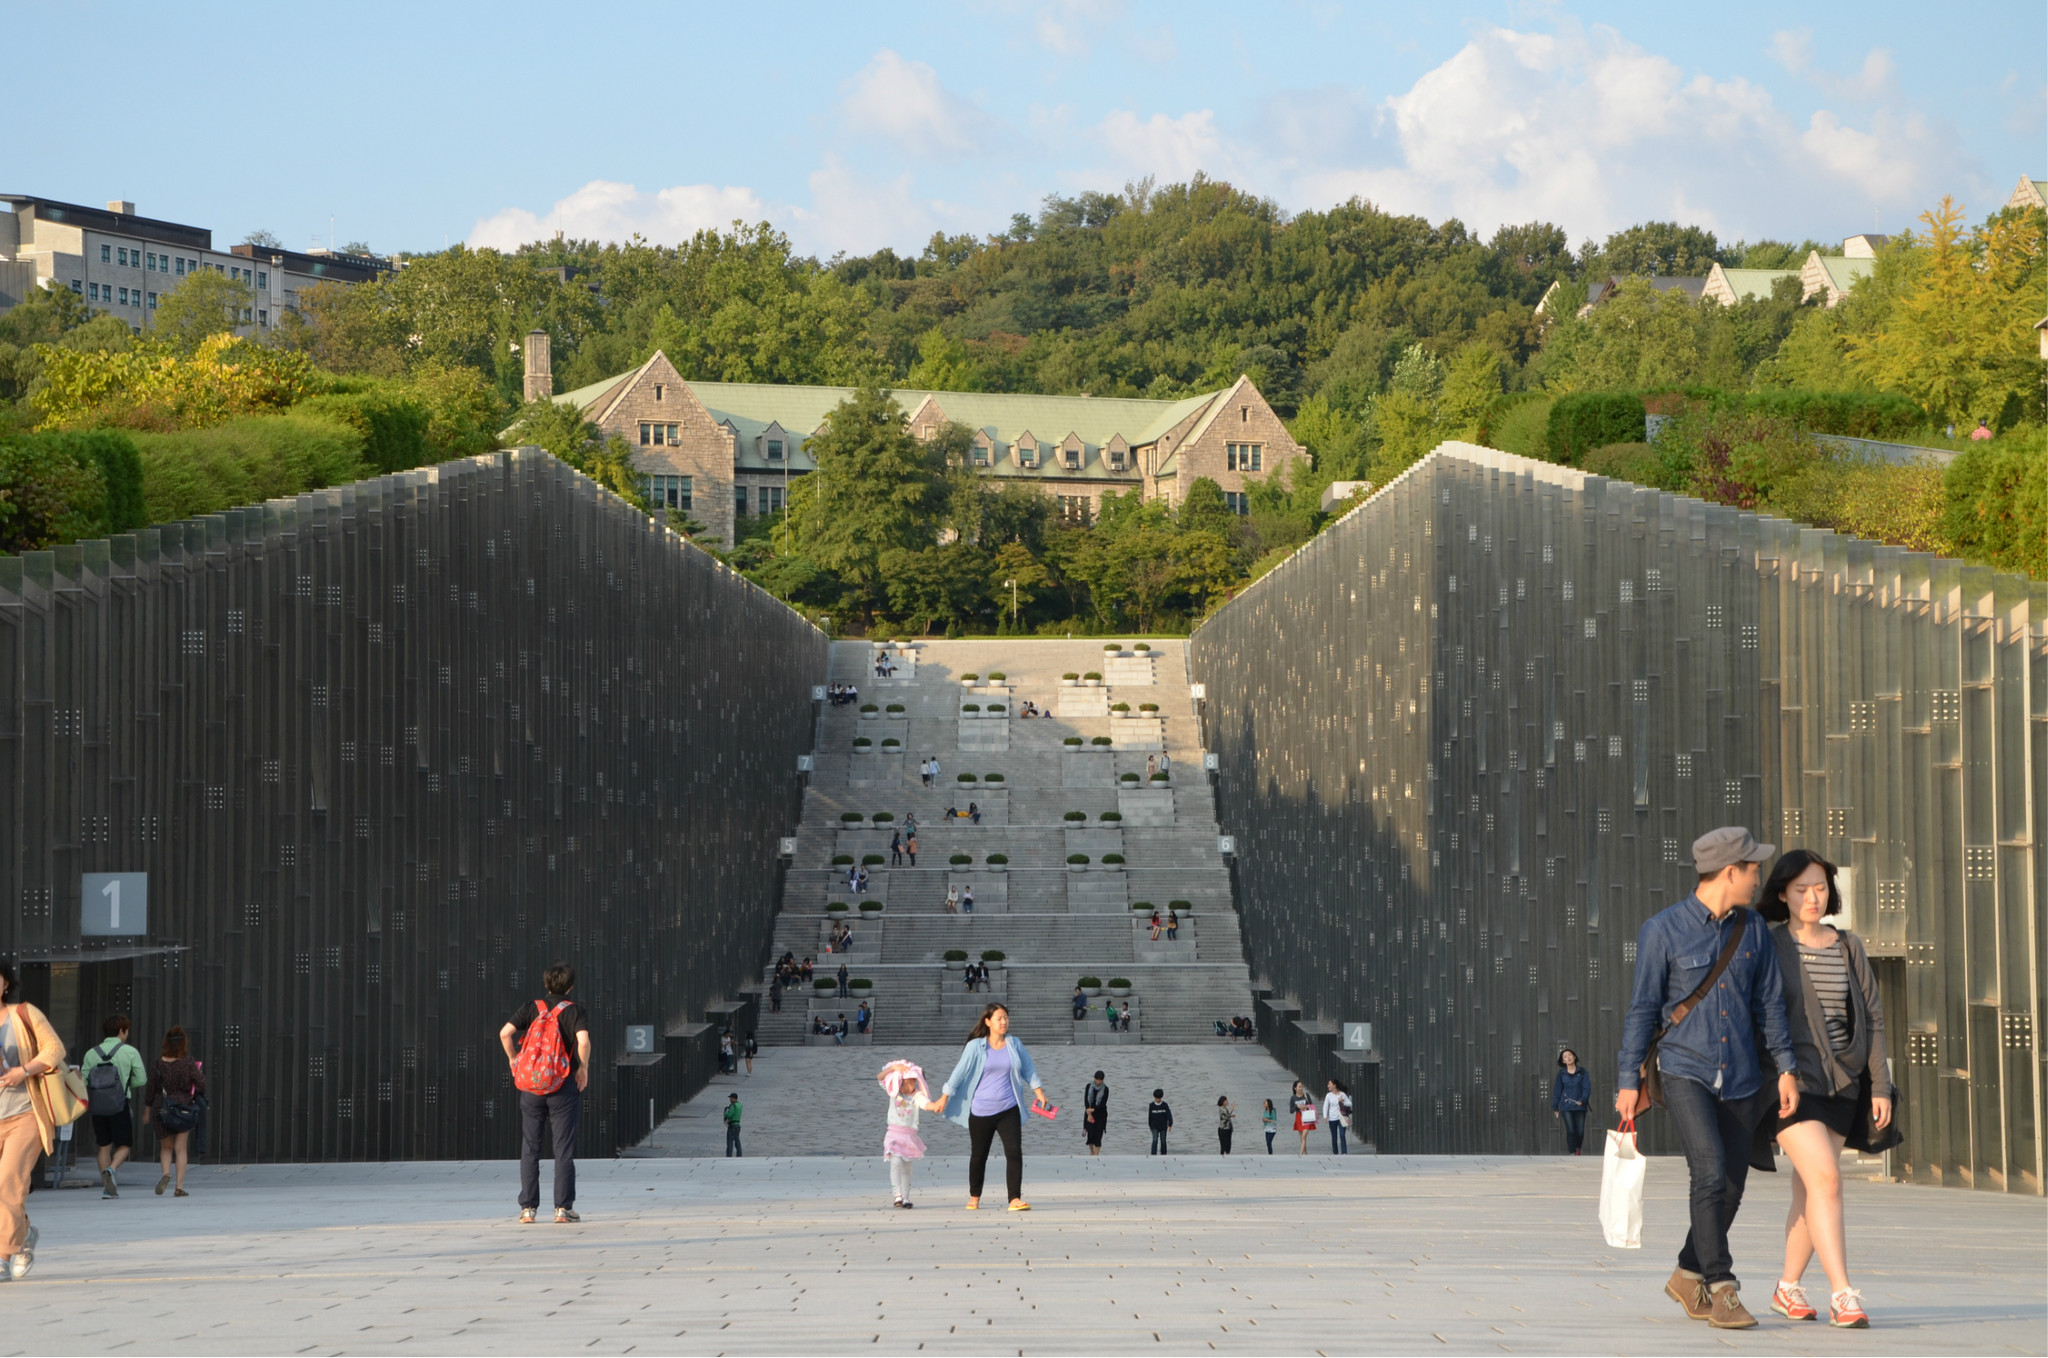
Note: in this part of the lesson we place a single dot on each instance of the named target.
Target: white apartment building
(123, 264)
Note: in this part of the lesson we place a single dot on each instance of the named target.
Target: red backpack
(543, 1061)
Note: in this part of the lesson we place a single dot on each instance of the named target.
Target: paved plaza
(1186, 1254)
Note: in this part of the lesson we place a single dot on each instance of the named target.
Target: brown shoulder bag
(1652, 1084)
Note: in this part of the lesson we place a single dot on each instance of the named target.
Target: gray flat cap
(1716, 849)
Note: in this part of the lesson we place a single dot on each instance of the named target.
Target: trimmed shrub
(861, 743)
(1996, 506)
(1161, 777)
(869, 707)
(963, 778)
(1071, 740)
(242, 462)
(1111, 815)
(997, 677)
(1071, 674)
(1180, 905)
(1142, 646)
(1113, 646)
(1077, 859)
(997, 707)
(1113, 858)
(1077, 815)
(1860, 414)
(893, 707)
(871, 860)
(1583, 421)
(849, 816)
(860, 983)
(840, 860)
(1148, 707)
(993, 955)
(959, 860)
(991, 777)
(870, 906)
(825, 984)
(836, 907)
(970, 678)
(890, 742)
(1141, 905)
(998, 859)
(970, 707)
(60, 487)
(1090, 983)
(1637, 463)
(1129, 778)
(882, 817)
(393, 425)
(1123, 981)
(956, 954)
(1119, 707)
(1092, 674)
(1098, 740)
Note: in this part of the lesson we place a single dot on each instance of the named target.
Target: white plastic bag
(1621, 1189)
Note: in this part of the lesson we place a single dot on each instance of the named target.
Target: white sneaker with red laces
(1790, 1302)
(1845, 1310)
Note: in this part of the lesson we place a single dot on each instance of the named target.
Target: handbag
(1651, 1083)
(63, 1089)
(177, 1117)
(1621, 1189)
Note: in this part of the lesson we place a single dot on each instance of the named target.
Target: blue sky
(852, 127)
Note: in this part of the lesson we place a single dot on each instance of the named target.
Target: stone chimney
(540, 366)
(122, 206)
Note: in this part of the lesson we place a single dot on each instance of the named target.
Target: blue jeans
(1337, 1142)
(1158, 1141)
(1715, 1134)
(561, 1111)
(732, 1140)
(1574, 1130)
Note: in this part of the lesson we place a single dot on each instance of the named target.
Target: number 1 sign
(113, 904)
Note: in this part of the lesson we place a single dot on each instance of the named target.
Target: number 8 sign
(113, 904)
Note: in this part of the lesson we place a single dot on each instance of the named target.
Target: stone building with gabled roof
(717, 451)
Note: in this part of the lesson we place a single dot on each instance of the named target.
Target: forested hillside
(1377, 336)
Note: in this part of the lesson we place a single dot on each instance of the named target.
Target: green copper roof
(1749, 284)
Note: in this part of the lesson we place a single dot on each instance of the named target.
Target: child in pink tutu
(908, 1093)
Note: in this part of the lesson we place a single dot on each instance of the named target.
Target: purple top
(993, 1093)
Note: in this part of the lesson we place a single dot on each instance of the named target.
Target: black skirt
(1838, 1115)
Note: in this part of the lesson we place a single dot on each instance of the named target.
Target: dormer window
(1116, 459)
(775, 450)
(1073, 459)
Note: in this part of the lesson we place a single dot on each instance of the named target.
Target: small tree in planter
(891, 743)
(871, 860)
(1099, 740)
(835, 908)
(1091, 984)
(1148, 707)
(955, 958)
(998, 861)
(991, 777)
(1093, 676)
(1071, 740)
(871, 907)
(1077, 815)
(840, 860)
(1130, 778)
(861, 743)
(964, 778)
(960, 860)
(1119, 986)
(1112, 815)
(1113, 860)
(1077, 860)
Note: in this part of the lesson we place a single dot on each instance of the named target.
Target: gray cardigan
(1822, 1070)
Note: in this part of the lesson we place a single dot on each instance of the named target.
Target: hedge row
(60, 487)
(246, 461)
(392, 423)
(1583, 421)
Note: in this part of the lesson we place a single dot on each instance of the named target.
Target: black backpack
(105, 1094)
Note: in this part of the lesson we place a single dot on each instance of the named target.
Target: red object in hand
(1046, 1111)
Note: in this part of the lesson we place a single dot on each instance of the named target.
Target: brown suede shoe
(1728, 1311)
(1689, 1290)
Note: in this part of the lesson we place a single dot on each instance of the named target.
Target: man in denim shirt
(1713, 1088)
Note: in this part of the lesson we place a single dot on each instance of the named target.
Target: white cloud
(1792, 48)
(1587, 129)
(904, 104)
(604, 210)
(1171, 148)
(852, 212)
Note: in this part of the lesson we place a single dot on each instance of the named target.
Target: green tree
(206, 304)
(943, 364)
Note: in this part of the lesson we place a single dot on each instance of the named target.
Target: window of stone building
(667, 492)
(106, 254)
(775, 450)
(657, 391)
(152, 301)
(1075, 508)
(979, 455)
(263, 280)
(739, 499)
(771, 499)
(181, 266)
(262, 317)
(1244, 457)
(1073, 459)
(1237, 502)
(1116, 459)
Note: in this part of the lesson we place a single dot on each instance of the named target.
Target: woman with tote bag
(36, 1098)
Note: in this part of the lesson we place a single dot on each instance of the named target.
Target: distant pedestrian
(753, 1049)
(725, 1061)
(896, 848)
(935, 770)
(733, 1114)
(994, 1074)
(775, 995)
(1151, 764)
(1226, 1122)
(901, 1145)
(1707, 1054)
(1571, 1090)
(29, 1050)
(107, 1096)
(910, 848)
(1123, 1020)
(974, 813)
(1109, 1012)
(550, 1069)
(967, 899)
(1982, 432)
(1304, 1110)
(861, 1017)
(1159, 1117)
(1269, 1121)
(1337, 1113)
(175, 1090)
(1172, 926)
(1095, 1113)
(839, 1031)
(844, 991)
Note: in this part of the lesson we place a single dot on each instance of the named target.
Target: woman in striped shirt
(1837, 1026)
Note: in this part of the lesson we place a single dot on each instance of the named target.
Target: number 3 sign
(113, 904)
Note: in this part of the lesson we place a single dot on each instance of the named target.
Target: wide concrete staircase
(1077, 782)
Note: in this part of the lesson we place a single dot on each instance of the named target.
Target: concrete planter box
(866, 749)
(869, 716)
(896, 716)
(1121, 992)
(1070, 683)
(956, 966)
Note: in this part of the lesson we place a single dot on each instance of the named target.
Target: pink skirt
(904, 1143)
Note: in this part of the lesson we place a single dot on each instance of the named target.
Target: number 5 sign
(113, 904)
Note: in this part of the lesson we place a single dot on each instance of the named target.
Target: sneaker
(1689, 1290)
(1845, 1310)
(565, 1215)
(162, 1184)
(20, 1264)
(1790, 1302)
(1728, 1311)
(526, 1216)
(108, 1188)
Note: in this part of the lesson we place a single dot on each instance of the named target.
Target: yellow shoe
(973, 1206)
(1020, 1206)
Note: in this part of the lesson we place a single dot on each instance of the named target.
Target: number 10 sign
(113, 904)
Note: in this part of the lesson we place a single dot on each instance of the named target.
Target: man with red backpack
(550, 1062)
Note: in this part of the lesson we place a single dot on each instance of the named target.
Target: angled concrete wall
(384, 752)
(1468, 735)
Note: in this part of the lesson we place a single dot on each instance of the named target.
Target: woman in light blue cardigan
(992, 1082)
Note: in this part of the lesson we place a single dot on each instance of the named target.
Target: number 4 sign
(113, 904)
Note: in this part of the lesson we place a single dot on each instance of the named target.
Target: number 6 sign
(113, 904)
